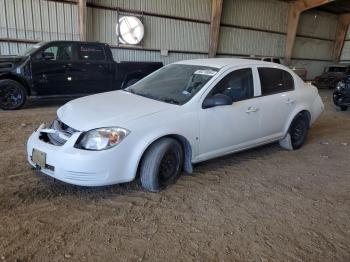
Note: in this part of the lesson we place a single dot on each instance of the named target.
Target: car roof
(222, 62)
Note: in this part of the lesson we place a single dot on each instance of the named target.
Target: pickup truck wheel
(12, 95)
(161, 165)
(131, 82)
(343, 108)
(298, 131)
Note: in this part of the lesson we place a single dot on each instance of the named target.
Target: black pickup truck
(65, 68)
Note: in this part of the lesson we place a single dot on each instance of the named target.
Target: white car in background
(184, 113)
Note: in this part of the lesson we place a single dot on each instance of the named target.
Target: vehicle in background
(276, 60)
(65, 68)
(300, 71)
(186, 112)
(341, 94)
(331, 76)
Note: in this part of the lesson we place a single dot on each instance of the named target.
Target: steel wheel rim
(298, 131)
(168, 166)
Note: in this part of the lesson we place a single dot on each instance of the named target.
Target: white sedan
(184, 113)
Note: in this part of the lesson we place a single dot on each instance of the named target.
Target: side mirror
(47, 56)
(217, 100)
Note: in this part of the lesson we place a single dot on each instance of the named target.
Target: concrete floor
(264, 204)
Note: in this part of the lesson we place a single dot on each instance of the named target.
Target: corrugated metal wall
(192, 9)
(36, 20)
(248, 28)
(315, 40)
(244, 26)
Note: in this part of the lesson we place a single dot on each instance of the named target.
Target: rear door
(277, 101)
(50, 77)
(93, 68)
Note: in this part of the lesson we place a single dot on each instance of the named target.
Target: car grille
(62, 133)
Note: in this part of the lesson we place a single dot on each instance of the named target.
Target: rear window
(91, 52)
(275, 80)
(337, 69)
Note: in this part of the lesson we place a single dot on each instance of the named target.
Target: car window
(276, 60)
(337, 69)
(60, 52)
(91, 52)
(238, 85)
(274, 80)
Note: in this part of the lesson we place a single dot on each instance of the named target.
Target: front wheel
(298, 131)
(12, 95)
(343, 108)
(161, 164)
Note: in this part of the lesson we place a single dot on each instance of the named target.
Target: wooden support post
(342, 28)
(82, 19)
(216, 9)
(295, 9)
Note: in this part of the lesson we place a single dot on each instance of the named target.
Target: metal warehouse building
(181, 28)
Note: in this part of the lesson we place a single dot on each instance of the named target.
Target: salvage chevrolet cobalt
(183, 113)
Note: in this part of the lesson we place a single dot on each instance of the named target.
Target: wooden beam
(216, 9)
(342, 28)
(295, 9)
(82, 19)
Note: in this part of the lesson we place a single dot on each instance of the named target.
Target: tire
(131, 82)
(12, 95)
(161, 164)
(343, 108)
(299, 130)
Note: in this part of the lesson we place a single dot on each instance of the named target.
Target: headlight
(101, 138)
(340, 85)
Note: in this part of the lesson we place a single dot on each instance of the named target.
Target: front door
(225, 129)
(49, 69)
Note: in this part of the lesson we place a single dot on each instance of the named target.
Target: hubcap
(10, 96)
(168, 166)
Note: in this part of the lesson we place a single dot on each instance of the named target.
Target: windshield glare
(176, 83)
(32, 49)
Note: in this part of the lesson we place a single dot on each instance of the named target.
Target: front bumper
(81, 167)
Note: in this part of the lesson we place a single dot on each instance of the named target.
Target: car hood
(108, 109)
(12, 58)
(8, 63)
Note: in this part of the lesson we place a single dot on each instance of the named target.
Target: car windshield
(32, 49)
(175, 84)
(336, 69)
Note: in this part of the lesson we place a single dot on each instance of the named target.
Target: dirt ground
(264, 204)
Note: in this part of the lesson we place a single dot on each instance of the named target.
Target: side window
(276, 60)
(275, 80)
(90, 52)
(59, 52)
(237, 84)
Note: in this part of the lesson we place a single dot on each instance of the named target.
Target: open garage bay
(266, 204)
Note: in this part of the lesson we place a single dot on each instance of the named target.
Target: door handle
(252, 109)
(290, 101)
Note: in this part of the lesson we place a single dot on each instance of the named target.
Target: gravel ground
(264, 204)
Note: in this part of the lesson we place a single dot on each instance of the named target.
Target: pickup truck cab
(65, 68)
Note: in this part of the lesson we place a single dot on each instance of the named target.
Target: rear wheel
(343, 108)
(299, 130)
(12, 95)
(161, 165)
